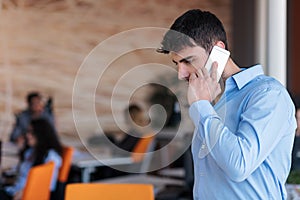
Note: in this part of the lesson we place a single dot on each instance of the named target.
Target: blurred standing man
(245, 152)
(36, 109)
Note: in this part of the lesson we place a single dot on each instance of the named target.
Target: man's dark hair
(32, 95)
(194, 27)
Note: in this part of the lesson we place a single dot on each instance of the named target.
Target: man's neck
(230, 69)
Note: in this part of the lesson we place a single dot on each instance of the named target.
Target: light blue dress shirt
(242, 146)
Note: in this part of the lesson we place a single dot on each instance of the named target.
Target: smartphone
(219, 55)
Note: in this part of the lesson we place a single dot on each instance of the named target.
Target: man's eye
(187, 61)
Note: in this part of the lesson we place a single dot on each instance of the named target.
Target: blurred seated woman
(137, 120)
(43, 147)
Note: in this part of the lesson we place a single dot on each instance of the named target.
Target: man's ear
(220, 44)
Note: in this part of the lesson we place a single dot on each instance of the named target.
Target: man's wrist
(200, 110)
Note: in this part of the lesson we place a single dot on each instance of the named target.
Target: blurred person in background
(296, 148)
(35, 109)
(123, 142)
(136, 120)
(43, 147)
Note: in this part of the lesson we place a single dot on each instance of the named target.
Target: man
(36, 109)
(244, 131)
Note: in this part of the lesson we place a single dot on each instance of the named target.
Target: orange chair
(96, 191)
(142, 147)
(63, 173)
(66, 164)
(38, 182)
(142, 154)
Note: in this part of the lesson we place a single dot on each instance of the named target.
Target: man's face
(36, 105)
(189, 60)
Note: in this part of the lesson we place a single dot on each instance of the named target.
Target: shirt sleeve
(24, 169)
(17, 129)
(21, 124)
(265, 118)
(53, 156)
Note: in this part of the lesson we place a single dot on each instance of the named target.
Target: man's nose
(183, 72)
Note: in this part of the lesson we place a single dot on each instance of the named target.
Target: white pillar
(271, 42)
(261, 33)
(277, 44)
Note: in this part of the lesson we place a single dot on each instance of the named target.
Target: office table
(87, 162)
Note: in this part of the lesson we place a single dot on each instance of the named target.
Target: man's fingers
(193, 76)
(214, 71)
(204, 72)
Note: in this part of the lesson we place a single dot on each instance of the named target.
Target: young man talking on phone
(244, 130)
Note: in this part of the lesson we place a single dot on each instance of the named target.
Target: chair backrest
(38, 182)
(142, 147)
(96, 191)
(66, 164)
(63, 173)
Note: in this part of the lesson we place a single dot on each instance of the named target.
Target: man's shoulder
(23, 113)
(263, 82)
(264, 87)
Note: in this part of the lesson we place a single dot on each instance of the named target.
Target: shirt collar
(246, 75)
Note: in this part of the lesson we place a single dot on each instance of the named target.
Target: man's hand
(204, 86)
